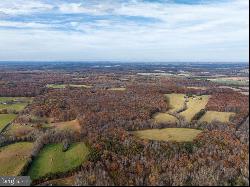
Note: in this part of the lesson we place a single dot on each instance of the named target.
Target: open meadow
(63, 86)
(175, 101)
(237, 81)
(194, 105)
(5, 119)
(210, 116)
(165, 118)
(14, 103)
(14, 157)
(18, 130)
(117, 89)
(53, 160)
(68, 125)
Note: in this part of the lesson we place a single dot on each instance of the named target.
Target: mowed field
(169, 134)
(194, 105)
(13, 158)
(164, 118)
(5, 119)
(175, 101)
(197, 88)
(73, 125)
(19, 103)
(62, 86)
(117, 89)
(18, 130)
(52, 160)
(218, 116)
(240, 81)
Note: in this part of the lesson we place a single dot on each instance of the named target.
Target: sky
(124, 30)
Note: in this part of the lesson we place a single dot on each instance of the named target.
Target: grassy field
(169, 134)
(194, 106)
(239, 81)
(219, 116)
(175, 101)
(13, 158)
(197, 88)
(52, 160)
(5, 119)
(164, 118)
(69, 125)
(117, 89)
(62, 86)
(18, 130)
(19, 105)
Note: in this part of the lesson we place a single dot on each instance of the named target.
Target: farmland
(13, 158)
(218, 116)
(194, 105)
(14, 103)
(18, 130)
(5, 119)
(52, 160)
(169, 134)
(175, 101)
(137, 125)
(63, 86)
(239, 81)
(117, 89)
(68, 125)
(164, 118)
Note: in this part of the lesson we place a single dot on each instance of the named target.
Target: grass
(194, 105)
(5, 119)
(164, 118)
(18, 130)
(231, 81)
(197, 88)
(169, 134)
(18, 106)
(62, 86)
(175, 101)
(56, 86)
(52, 160)
(14, 157)
(219, 116)
(117, 89)
(68, 125)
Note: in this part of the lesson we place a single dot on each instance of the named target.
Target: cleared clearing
(194, 105)
(240, 81)
(68, 125)
(117, 89)
(197, 88)
(169, 134)
(52, 160)
(5, 119)
(14, 157)
(175, 101)
(18, 130)
(14, 103)
(218, 116)
(62, 86)
(164, 118)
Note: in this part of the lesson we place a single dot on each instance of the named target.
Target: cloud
(135, 30)
(22, 7)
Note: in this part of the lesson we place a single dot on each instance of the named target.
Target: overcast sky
(124, 30)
